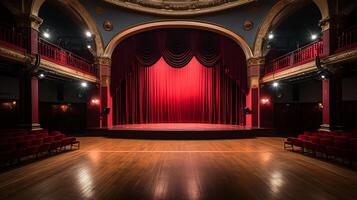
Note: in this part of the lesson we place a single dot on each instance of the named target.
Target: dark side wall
(231, 19)
(52, 95)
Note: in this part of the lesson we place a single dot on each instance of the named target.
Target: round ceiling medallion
(248, 25)
(107, 25)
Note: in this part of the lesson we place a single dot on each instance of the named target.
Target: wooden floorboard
(106, 168)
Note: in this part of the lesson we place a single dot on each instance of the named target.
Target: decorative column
(329, 35)
(252, 100)
(30, 29)
(29, 106)
(332, 102)
(106, 104)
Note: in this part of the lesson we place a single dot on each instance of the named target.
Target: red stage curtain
(178, 76)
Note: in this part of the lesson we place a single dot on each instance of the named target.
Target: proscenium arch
(176, 24)
(277, 10)
(79, 9)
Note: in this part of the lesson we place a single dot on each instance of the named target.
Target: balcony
(300, 56)
(347, 40)
(12, 39)
(63, 57)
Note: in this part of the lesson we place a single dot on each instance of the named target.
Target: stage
(182, 131)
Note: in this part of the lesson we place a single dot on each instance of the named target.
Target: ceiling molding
(177, 7)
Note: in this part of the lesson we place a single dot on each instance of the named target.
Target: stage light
(88, 34)
(89, 46)
(41, 75)
(84, 84)
(314, 36)
(323, 76)
(275, 84)
(321, 106)
(14, 103)
(271, 36)
(46, 35)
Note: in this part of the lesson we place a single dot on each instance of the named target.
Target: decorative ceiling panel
(179, 7)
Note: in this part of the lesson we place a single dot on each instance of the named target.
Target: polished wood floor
(251, 169)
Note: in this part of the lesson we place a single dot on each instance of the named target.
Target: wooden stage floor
(107, 168)
(180, 127)
(182, 131)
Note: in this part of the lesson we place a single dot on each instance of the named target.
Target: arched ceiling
(178, 7)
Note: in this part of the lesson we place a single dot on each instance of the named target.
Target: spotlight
(323, 76)
(275, 84)
(88, 34)
(46, 35)
(84, 84)
(41, 75)
(313, 36)
(89, 46)
(271, 36)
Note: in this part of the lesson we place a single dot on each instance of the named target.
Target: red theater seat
(288, 143)
(309, 145)
(321, 147)
(338, 148)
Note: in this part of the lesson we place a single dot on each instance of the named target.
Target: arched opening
(78, 14)
(178, 75)
(299, 28)
(65, 38)
(278, 13)
(293, 39)
(65, 29)
(177, 24)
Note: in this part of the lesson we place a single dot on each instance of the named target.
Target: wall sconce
(95, 101)
(265, 101)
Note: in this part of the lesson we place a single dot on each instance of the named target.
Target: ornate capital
(103, 61)
(325, 24)
(257, 61)
(31, 21)
(35, 22)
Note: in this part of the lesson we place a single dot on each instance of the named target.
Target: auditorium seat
(321, 147)
(309, 144)
(288, 143)
(337, 149)
(17, 144)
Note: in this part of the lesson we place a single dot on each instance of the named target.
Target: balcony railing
(60, 56)
(347, 40)
(297, 57)
(11, 37)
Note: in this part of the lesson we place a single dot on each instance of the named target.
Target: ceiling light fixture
(84, 84)
(275, 84)
(46, 35)
(88, 34)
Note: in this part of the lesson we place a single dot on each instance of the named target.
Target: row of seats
(18, 144)
(329, 144)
